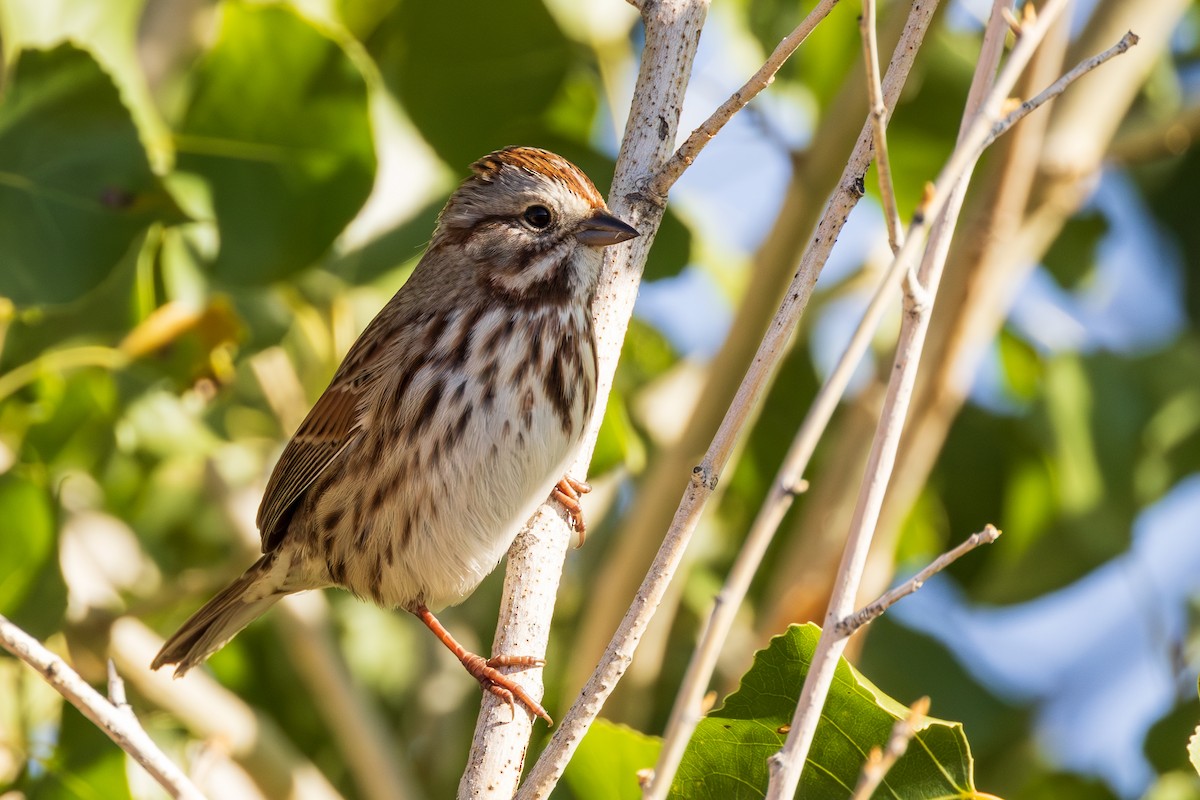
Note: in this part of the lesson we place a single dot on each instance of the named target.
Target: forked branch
(114, 717)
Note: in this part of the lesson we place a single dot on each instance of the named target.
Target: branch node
(116, 690)
(704, 476)
(917, 299)
(794, 488)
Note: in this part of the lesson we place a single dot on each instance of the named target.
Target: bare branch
(879, 115)
(217, 716)
(1059, 86)
(879, 762)
(114, 718)
(687, 152)
(846, 627)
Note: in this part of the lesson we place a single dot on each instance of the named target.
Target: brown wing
(331, 425)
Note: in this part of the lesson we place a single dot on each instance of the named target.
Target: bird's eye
(537, 216)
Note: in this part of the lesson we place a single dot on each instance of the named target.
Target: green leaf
(1193, 749)
(618, 443)
(76, 188)
(278, 129)
(471, 89)
(607, 762)
(1022, 366)
(1066, 786)
(1072, 256)
(672, 249)
(29, 553)
(727, 756)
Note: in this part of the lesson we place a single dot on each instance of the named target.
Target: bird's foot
(567, 492)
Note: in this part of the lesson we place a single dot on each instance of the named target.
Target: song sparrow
(449, 421)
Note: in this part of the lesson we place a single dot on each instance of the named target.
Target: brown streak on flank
(462, 345)
(489, 387)
(389, 555)
(397, 481)
(406, 377)
(434, 330)
(377, 498)
(496, 335)
(357, 515)
(406, 530)
(327, 545)
(535, 345)
(527, 401)
(556, 387)
(363, 534)
(454, 433)
(377, 584)
(428, 409)
(520, 369)
(331, 519)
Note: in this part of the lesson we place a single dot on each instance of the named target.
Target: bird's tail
(221, 618)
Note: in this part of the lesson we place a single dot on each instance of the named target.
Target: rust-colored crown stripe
(540, 162)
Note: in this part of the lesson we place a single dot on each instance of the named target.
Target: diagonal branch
(879, 117)
(880, 761)
(687, 152)
(873, 610)
(113, 717)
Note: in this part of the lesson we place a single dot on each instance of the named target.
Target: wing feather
(331, 425)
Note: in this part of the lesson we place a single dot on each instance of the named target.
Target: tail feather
(220, 619)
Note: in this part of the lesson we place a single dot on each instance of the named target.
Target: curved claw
(567, 492)
(485, 670)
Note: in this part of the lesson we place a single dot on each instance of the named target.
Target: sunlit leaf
(31, 587)
(618, 443)
(1193, 749)
(727, 756)
(76, 188)
(278, 128)
(608, 760)
(472, 89)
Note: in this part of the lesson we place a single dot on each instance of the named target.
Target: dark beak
(602, 229)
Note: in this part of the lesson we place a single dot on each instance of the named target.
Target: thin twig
(117, 722)
(1059, 86)
(686, 712)
(847, 626)
(880, 762)
(232, 730)
(879, 118)
(701, 136)
(116, 689)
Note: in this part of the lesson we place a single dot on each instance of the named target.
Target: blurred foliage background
(202, 203)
